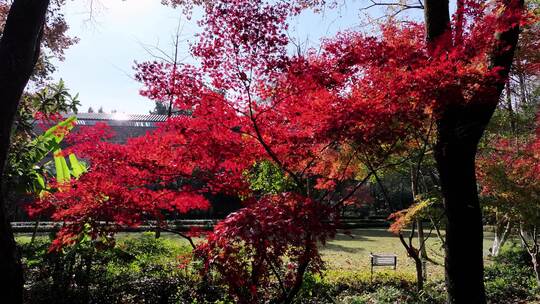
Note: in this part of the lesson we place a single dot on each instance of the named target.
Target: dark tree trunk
(422, 247)
(19, 51)
(464, 235)
(419, 273)
(460, 126)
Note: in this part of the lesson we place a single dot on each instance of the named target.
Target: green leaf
(62, 170)
(50, 141)
(77, 168)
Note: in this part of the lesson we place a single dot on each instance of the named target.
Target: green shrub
(510, 278)
(388, 295)
(382, 295)
(142, 269)
(514, 255)
(362, 280)
(386, 287)
(135, 270)
(362, 299)
(433, 293)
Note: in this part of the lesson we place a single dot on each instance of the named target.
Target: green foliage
(24, 171)
(143, 269)
(267, 177)
(135, 270)
(510, 277)
(514, 255)
(51, 99)
(357, 287)
(50, 140)
(30, 165)
(363, 279)
(523, 117)
(433, 293)
(386, 295)
(508, 280)
(160, 108)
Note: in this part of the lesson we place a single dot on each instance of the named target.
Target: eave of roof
(120, 117)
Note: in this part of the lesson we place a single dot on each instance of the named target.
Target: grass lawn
(349, 253)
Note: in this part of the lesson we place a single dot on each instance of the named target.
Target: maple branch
(524, 240)
(436, 226)
(411, 235)
(267, 148)
(312, 161)
(366, 178)
(403, 6)
(404, 243)
(302, 267)
(351, 193)
(276, 274)
(378, 180)
(185, 236)
(423, 245)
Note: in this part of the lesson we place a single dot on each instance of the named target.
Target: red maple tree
(322, 118)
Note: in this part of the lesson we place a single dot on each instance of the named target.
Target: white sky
(100, 66)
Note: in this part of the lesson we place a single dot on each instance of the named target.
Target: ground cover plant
(143, 269)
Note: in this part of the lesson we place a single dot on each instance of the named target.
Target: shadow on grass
(364, 234)
(341, 248)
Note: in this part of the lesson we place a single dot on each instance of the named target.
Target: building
(124, 125)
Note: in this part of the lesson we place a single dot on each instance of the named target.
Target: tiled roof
(121, 117)
(124, 126)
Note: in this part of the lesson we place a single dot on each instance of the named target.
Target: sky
(117, 33)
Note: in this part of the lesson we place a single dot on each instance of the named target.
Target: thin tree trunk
(502, 230)
(34, 232)
(522, 88)
(533, 249)
(536, 268)
(510, 108)
(414, 254)
(420, 266)
(19, 51)
(524, 236)
(421, 238)
(422, 244)
(158, 229)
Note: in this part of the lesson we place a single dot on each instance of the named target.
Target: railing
(179, 225)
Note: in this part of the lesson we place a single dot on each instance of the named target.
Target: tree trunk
(419, 273)
(536, 268)
(502, 229)
(460, 125)
(510, 109)
(414, 254)
(422, 248)
(419, 224)
(533, 248)
(19, 51)
(464, 266)
(522, 88)
(524, 236)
